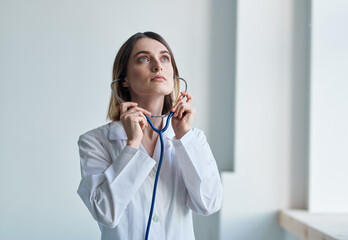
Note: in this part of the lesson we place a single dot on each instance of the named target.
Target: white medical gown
(117, 183)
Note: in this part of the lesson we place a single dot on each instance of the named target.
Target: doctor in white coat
(119, 160)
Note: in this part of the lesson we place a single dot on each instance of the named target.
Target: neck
(153, 104)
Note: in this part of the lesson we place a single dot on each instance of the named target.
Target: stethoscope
(159, 131)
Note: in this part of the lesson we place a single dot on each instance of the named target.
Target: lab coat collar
(116, 130)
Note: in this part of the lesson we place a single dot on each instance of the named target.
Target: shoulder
(111, 131)
(100, 133)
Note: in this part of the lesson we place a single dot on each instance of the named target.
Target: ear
(125, 83)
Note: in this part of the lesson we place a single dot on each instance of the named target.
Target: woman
(119, 159)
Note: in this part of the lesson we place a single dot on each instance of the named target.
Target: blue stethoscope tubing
(159, 131)
(158, 169)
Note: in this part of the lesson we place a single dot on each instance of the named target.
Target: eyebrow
(147, 52)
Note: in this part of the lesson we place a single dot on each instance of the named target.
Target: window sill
(314, 226)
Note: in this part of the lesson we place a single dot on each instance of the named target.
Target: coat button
(156, 218)
(152, 173)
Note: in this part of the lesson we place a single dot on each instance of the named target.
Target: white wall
(329, 107)
(55, 69)
(271, 119)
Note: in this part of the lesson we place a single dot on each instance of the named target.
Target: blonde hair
(120, 70)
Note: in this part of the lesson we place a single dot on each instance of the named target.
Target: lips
(158, 78)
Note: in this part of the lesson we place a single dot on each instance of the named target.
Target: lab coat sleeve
(108, 186)
(200, 172)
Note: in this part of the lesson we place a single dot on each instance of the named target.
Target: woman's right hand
(134, 122)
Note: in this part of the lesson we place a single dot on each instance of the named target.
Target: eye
(142, 59)
(165, 59)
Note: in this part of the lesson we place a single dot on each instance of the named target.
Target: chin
(155, 90)
(162, 91)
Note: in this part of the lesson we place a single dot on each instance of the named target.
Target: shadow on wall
(222, 82)
(261, 225)
(222, 99)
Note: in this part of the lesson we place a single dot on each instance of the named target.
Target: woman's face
(149, 71)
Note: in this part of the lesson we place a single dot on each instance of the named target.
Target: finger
(143, 122)
(139, 109)
(137, 115)
(136, 118)
(180, 101)
(177, 107)
(124, 106)
(140, 121)
(133, 116)
(182, 110)
(188, 96)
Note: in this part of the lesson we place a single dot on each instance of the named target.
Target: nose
(157, 66)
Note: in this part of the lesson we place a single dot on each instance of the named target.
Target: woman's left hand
(183, 115)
